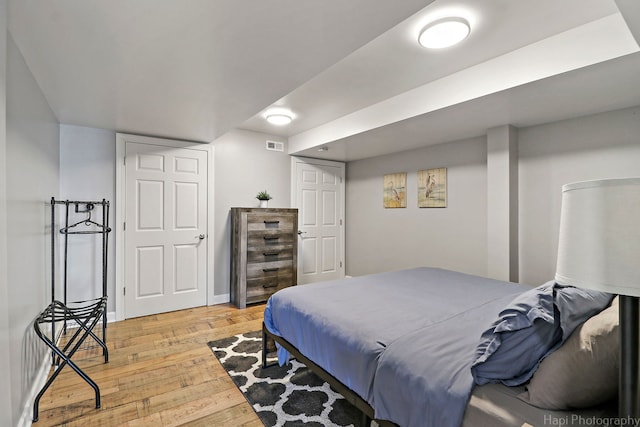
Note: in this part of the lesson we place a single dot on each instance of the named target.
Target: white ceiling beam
(601, 40)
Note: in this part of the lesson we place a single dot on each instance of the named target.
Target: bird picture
(432, 188)
(395, 190)
(431, 182)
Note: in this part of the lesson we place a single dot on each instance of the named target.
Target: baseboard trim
(111, 317)
(26, 418)
(221, 299)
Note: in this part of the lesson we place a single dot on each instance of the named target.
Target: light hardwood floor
(160, 373)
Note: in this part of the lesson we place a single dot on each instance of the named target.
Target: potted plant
(264, 198)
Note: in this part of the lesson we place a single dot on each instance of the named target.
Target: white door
(165, 229)
(318, 192)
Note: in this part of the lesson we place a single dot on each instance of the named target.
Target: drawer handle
(270, 285)
(271, 222)
(270, 253)
(271, 237)
(269, 270)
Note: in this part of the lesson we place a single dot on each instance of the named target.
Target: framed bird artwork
(395, 190)
(432, 188)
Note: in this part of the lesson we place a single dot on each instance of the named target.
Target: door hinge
(340, 221)
(340, 264)
(124, 160)
(124, 291)
(124, 226)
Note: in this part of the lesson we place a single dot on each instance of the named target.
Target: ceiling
(352, 72)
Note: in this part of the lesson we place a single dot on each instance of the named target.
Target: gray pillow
(584, 371)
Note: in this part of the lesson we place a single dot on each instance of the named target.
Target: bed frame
(349, 395)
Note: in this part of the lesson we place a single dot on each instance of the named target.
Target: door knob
(201, 237)
(300, 232)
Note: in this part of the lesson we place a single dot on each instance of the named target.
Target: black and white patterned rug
(287, 396)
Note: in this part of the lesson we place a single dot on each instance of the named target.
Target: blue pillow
(533, 325)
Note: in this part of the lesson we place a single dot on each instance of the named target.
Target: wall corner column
(502, 203)
(6, 407)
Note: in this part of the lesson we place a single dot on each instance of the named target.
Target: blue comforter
(404, 341)
(427, 372)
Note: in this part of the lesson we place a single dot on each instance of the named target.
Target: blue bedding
(320, 319)
(426, 373)
(405, 341)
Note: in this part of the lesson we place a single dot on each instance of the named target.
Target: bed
(431, 347)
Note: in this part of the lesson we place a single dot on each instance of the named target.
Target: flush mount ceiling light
(279, 116)
(279, 119)
(444, 32)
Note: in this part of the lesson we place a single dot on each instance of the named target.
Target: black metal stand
(85, 314)
(84, 226)
(629, 381)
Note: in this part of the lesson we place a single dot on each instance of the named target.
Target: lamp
(599, 248)
(444, 32)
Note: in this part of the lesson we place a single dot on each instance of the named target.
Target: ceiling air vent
(275, 146)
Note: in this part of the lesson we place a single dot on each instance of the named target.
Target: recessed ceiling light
(279, 116)
(444, 32)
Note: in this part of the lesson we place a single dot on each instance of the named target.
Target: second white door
(166, 229)
(319, 197)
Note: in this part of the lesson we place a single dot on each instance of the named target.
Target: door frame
(294, 190)
(120, 209)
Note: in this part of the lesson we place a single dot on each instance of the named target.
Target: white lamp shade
(599, 242)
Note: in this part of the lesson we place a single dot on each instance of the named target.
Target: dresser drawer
(259, 290)
(269, 239)
(257, 270)
(272, 222)
(269, 254)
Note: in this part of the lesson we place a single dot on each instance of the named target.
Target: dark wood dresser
(264, 253)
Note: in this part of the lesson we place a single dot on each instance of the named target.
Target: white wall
(87, 172)
(243, 167)
(6, 408)
(32, 173)
(502, 207)
(455, 237)
(593, 147)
